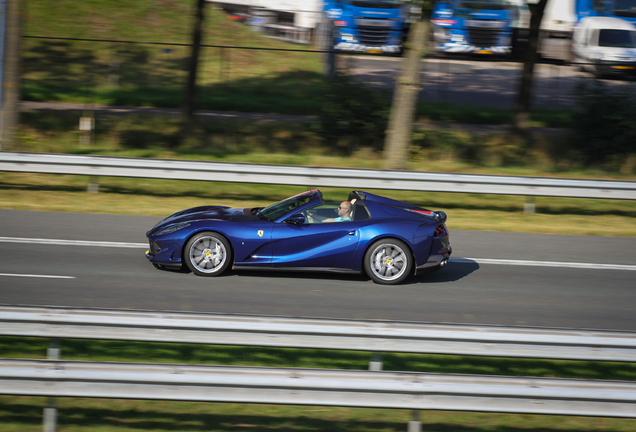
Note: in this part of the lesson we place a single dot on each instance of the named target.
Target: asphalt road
(489, 82)
(98, 261)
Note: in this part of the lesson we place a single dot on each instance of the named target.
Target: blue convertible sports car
(388, 240)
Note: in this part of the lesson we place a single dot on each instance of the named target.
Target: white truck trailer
(289, 20)
(557, 25)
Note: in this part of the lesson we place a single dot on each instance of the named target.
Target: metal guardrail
(315, 176)
(395, 390)
(311, 333)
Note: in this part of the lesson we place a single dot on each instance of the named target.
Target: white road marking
(545, 264)
(72, 242)
(458, 260)
(37, 276)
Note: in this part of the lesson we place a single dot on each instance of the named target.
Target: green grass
(143, 74)
(441, 111)
(24, 413)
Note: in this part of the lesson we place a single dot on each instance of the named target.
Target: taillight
(441, 231)
(340, 23)
(444, 21)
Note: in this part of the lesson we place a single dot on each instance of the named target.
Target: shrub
(604, 132)
(352, 115)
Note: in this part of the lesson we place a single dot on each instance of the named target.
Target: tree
(11, 76)
(521, 115)
(190, 94)
(407, 89)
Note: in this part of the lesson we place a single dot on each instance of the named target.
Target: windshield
(376, 3)
(275, 211)
(625, 8)
(616, 38)
(485, 4)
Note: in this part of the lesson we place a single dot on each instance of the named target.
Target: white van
(605, 46)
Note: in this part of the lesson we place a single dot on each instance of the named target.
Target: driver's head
(345, 208)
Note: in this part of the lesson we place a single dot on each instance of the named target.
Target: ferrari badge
(260, 233)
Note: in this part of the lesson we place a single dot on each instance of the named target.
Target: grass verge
(40, 192)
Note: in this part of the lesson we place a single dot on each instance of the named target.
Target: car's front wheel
(207, 254)
(388, 261)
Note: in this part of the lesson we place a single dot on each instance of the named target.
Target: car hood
(207, 213)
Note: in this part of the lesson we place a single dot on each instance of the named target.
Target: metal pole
(326, 37)
(415, 425)
(50, 412)
(376, 362)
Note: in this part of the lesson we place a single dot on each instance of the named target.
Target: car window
(323, 213)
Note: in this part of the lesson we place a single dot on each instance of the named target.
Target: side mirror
(297, 219)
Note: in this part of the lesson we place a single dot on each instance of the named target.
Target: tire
(207, 254)
(388, 261)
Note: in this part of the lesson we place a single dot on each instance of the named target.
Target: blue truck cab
(624, 9)
(474, 27)
(371, 26)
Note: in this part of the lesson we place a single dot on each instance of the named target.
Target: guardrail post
(50, 412)
(93, 184)
(415, 425)
(53, 351)
(376, 362)
(529, 206)
(50, 416)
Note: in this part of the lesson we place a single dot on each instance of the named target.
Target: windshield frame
(291, 205)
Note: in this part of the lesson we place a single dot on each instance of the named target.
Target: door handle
(352, 232)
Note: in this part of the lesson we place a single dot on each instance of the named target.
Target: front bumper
(166, 254)
(615, 68)
(451, 47)
(357, 47)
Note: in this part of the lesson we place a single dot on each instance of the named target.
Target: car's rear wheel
(207, 254)
(388, 261)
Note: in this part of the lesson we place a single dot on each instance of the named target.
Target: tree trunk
(521, 115)
(326, 34)
(9, 119)
(407, 88)
(190, 96)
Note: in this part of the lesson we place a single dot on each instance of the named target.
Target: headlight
(172, 228)
(596, 55)
(348, 37)
(457, 38)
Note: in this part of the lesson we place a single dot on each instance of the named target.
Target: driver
(344, 213)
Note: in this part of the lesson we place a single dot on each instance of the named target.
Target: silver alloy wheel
(388, 261)
(207, 254)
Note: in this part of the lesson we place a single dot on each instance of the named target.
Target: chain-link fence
(141, 73)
